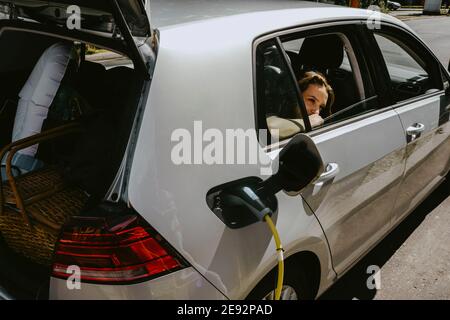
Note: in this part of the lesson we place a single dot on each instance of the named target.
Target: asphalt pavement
(435, 33)
(405, 12)
(414, 259)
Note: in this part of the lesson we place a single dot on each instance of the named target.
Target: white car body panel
(421, 167)
(355, 209)
(186, 284)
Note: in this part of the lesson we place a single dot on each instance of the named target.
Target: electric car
(166, 214)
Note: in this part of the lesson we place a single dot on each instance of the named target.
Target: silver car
(200, 76)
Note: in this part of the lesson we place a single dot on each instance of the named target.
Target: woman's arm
(282, 128)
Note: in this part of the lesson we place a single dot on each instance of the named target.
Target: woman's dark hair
(317, 78)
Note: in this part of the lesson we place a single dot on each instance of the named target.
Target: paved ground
(405, 12)
(412, 12)
(420, 268)
(435, 32)
(432, 29)
(415, 258)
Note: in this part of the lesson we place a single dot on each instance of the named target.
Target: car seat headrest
(321, 53)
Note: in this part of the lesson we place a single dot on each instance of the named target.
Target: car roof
(243, 25)
(249, 18)
(172, 12)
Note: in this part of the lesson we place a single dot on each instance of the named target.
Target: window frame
(261, 117)
(288, 65)
(315, 29)
(410, 40)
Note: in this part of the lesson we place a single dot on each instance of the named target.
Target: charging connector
(239, 205)
(257, 207)
(264, 213)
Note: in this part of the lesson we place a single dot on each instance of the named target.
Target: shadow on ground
(354, 283)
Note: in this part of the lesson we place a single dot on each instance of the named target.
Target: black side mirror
(245, 201)
(300, 163)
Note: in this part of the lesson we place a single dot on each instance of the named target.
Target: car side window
(278, 100)
(410, 75)
(323, 74)
(333, 59)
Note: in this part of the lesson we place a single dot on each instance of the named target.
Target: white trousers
(38, 93)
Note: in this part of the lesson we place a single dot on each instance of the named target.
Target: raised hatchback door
(125, 21)
(98, 15)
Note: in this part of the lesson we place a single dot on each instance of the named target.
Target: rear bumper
(186, 284)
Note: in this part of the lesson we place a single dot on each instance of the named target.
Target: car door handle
(415, 129)
(413, 132)
(331, 171)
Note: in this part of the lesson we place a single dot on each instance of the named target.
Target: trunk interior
(89, 159)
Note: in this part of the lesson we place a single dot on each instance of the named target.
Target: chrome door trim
(332, 126)
(418, 98)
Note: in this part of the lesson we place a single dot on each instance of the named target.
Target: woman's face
(315, 97)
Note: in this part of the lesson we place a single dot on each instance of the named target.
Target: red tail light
(115, 250)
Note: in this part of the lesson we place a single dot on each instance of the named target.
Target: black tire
(294, 276)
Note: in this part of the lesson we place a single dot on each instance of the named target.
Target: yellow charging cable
(280, 250)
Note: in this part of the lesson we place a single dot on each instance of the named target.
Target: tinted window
(324, 71)
(410, 76)
(334, 57)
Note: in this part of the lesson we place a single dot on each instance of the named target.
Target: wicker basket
(34, 206)
(36, 241)
(34, 184)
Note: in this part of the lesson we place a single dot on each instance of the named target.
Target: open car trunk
(88, 159)
(124, 21)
